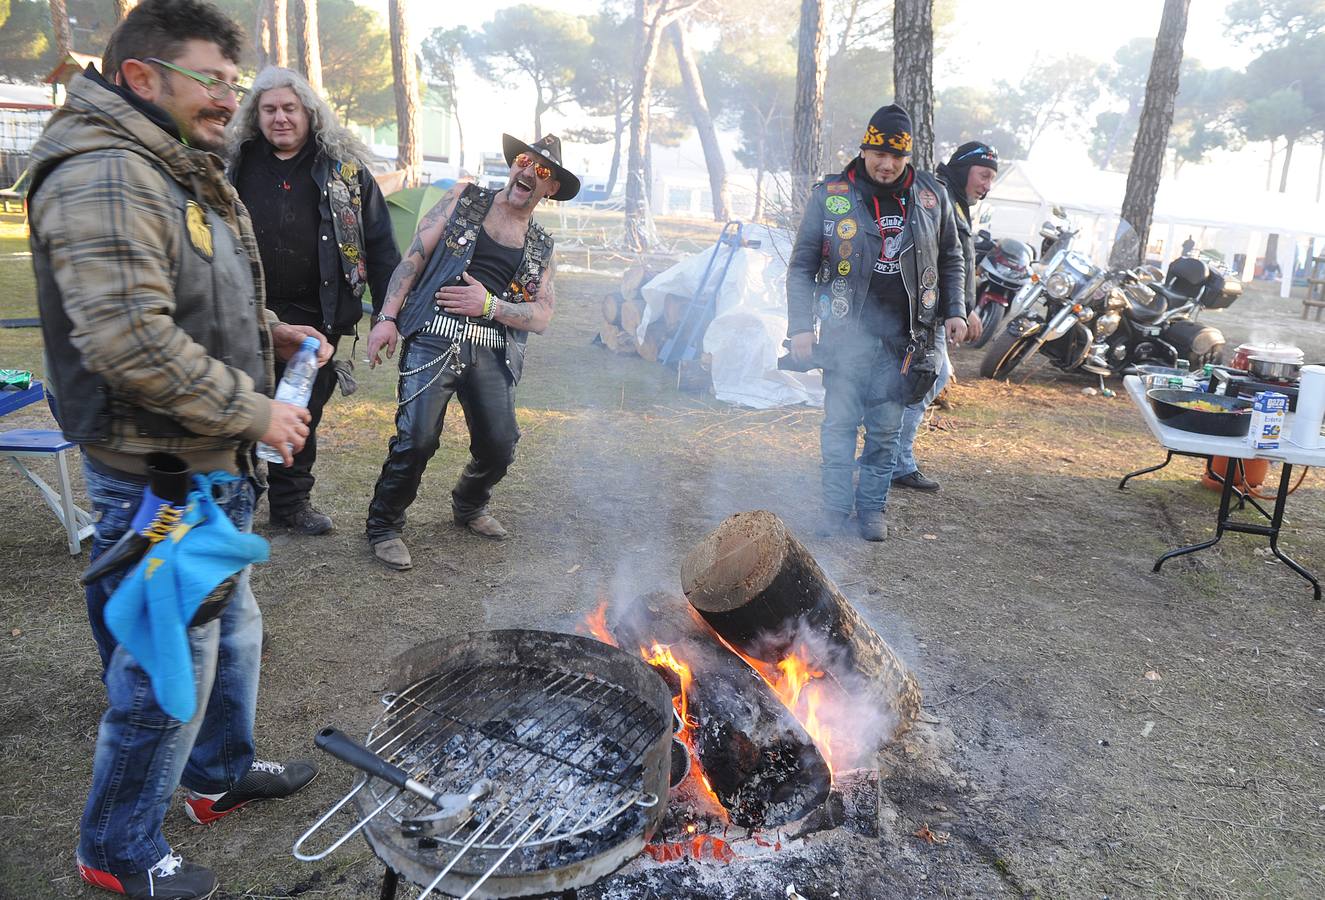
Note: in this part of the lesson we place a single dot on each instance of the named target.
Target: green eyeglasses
(216, 88)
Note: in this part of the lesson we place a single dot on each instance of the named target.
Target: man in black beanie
(878, 267)
(968, 175)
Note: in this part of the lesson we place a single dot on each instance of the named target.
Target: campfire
(777, 683)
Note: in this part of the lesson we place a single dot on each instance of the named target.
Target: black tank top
(494, 264)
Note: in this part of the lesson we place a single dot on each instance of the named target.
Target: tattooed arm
(384, 334)
(537, 313)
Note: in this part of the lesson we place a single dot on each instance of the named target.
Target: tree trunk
(310, 45)
(280, 33)
(262, 37)
(1152, 133)
(616, 152)
(1272, 242)
(808, 113)
(639, 235)
(409, 156)
(761, 590)
(459, 130)
(64, 35)
(1320, 167)
(913, 73)
(703, 119)
(759, 761)
(123, 8)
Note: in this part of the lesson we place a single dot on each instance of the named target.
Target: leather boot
(394, 554)
(485, 525)
(871, 525)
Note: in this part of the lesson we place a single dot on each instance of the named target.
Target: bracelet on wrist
(489, 307)
(383, 317)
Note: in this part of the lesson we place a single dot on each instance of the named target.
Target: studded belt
(480, 334)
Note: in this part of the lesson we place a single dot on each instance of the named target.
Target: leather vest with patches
(452, 256)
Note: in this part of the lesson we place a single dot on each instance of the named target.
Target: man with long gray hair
(324, 234)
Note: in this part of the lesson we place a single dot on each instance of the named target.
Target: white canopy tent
(1213, 214)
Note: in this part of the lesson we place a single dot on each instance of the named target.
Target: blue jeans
(862, 386)
(905, 462)
(143, 754)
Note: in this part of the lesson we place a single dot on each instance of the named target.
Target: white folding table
(1235, 449)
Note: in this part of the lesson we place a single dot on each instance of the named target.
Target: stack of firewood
(623, 310)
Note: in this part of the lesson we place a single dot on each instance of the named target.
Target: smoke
(853, 719)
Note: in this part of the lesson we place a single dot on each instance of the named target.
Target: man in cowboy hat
(473, 284)
(877, 265)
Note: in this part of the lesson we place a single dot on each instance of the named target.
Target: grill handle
(346, 749)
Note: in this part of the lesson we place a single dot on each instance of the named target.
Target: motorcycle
(1106, 321)
(1056, 234)
(1002, 269)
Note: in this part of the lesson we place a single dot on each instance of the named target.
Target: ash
(907, 826)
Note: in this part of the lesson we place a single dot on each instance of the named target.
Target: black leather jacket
(838, 228)
(961, 211)
(341, 309)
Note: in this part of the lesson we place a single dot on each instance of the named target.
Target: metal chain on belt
(450, 354)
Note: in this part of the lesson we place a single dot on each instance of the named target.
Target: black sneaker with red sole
(170, 879)
(264, 781)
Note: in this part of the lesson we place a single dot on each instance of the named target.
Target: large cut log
(762, 591)
(759, 761)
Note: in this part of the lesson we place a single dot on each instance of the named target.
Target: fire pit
(573, 735)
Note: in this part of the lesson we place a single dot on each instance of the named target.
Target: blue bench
(20, 444)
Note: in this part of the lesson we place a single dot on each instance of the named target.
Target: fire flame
(595, 625)
(660, 656)
(796, 683)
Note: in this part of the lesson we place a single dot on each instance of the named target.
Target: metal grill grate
(566, 750)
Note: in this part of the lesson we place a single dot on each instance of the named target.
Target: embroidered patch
(927, 298)
(844, 249)
(841, 307)
(349, 170)
(929, 277)
(927, 199)
(837, 205)
(838, 187)
(838, 287)
(844, 267)
(200, 232)
(824, 306)
(846, 229)
(828, 227)
(827, 248)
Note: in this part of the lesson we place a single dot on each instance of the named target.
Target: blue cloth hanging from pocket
(150, 611)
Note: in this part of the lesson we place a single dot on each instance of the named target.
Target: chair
(18, 193)
(20, 444)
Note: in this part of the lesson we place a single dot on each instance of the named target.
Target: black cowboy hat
(549, 148)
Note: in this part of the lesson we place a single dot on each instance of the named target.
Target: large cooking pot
(1267, 353)
(1275, 369)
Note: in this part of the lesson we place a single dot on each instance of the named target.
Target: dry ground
(1021, 594)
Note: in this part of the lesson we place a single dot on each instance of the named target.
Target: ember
(700, 847)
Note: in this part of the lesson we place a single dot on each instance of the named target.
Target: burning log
(759, 588)
(756, 758)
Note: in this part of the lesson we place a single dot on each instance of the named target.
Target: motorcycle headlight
(1059, 285)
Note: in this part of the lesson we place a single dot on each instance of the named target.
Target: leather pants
(486, 394)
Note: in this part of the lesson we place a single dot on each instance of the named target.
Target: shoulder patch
(838, 187)
(927, 199)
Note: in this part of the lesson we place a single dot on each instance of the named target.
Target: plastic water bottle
(295, 388)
